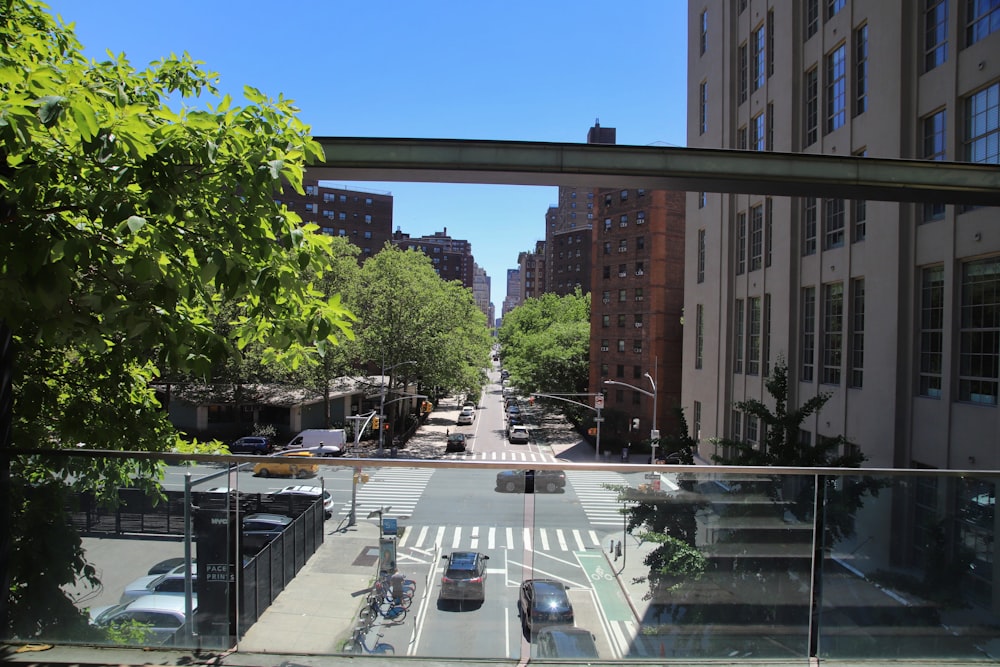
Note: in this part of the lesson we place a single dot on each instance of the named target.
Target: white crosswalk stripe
(399, 487)
(506, 455)
(475, 538)
(601, 505)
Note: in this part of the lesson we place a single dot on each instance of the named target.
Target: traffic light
(635, 423)
(375, 423)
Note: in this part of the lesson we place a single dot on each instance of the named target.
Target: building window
(758, 132)
(832, 7)
(741, 138)
(811, 90)
(699, 335)
(606, 296)
(636, 398)
(311, 207)
(935, 34)
(703, 41)
(623, 245)
(702, 199)
(812, 17)
(637, 345)
(638, 322)
(833, 223)
(368, 220)
(808, 333)
(640, 268)
(756, 237)
(604, 370)
(859, 213)
(368, 235)
(741, 243)
(703, 107)
(809, 226)
(753, 337)
(982, 126)
(623, 195)
(744, 73)
(752, 429)
(701, 256)
(605, 321)
(640, 218)
(638, 294)
(934, 127)
(696, 425)
(312, 189)
(861, 70)
(623, 221)
(621, 322)
(979, 335)
(768, 230)
(606, 272)
(857, 333)
(738, 336)
(737, 416)
(622, 271)
(769, 128)
(621, 348)
(622, 295)
(640, 242)
(931, 331)
(759, 58)
(833, 331)
(607, 247)
(983, 18)
(770, 42)
(620, 370)
(766, 335)
(836, 88)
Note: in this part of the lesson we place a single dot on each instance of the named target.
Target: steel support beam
(655, 167)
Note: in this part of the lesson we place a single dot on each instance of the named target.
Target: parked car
(518, 434)
(260, 529)
(466, 416)
(465, 576)
(165, 566)
(531, 481)
(469, 404)
(252, 444)
(513, 410)
(160, 615)
(565, 641)
(287, 469)
(456, 442)
(307, 491)
(168, 583)
(544, 602)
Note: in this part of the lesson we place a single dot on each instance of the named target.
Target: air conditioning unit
(606, 300)
(638, 298)
(620, 249)
(604, 348)
(637, 350)
(638, 325)
(622, 274)
(639, 272)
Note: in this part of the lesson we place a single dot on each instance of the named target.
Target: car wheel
(511, 486)
(301, 474)
(264, 472)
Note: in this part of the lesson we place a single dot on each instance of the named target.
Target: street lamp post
(381, 406)
(654, 434)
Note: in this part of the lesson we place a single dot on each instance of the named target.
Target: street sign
(599, 401)
(389, 526)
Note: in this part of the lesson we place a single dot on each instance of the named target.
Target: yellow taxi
(271, 466)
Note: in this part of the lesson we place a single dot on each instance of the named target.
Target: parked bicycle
(358, 643)
(380, 607)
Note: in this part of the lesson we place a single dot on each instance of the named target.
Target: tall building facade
(513, 298)
(364, 218)
(637, 300)
(481, 290)
(452, 258)
(531, 267)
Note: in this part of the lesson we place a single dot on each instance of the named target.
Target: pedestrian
(396, 582)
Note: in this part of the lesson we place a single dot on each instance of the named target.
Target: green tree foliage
(546, 344)
(131, 218)
(408, 313)
(783, 446)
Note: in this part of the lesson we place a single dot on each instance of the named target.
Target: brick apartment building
(365, 218)
(452, 258)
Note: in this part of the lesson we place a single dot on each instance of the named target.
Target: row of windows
(753, 241)
(752, 326)
(831, 333)
(622, 320)
(622, 298)
(620, 372)
(835, 68)
(640, 244)
(623, 196)
(640, 269)
(978, 332)
(982, 18)
(834, 223)
(330, 231)
(313, 190)
(640, 219)
(636, 345)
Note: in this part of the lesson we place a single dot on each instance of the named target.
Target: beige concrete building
(892, 309)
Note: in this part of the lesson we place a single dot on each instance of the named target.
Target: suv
(466, 416)
(306, 491)
(260, 529)
(518, 433)
(160, 616)
(456, 442)
(465, 576)
(544, 602)
(252, 444)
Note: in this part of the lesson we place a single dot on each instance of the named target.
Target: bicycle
(358, 644)
(383, 589)
(374, 608)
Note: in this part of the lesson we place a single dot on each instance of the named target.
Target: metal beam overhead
(655, 167)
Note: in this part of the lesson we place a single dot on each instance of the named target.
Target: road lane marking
(475, 538)
(491, 539)
(439, 538)
(510, 537)
(545, 539)
(457, 539)
(579, 539)
(562, 539)
(527, 538)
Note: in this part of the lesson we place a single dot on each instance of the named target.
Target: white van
(321, 441)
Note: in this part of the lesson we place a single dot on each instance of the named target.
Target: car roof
(302, 489)
(160, 602)
(462, 557)
(546, 585)
(272, 518)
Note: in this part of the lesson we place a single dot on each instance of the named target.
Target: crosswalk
(600, 504)
(399, 487)
(490, 538)
(506, 455)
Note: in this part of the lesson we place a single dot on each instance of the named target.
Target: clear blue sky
(462, 69)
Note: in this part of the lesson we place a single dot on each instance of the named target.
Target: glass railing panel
(656, 564)
(909, 573)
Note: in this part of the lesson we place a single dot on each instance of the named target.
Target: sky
(543, 70)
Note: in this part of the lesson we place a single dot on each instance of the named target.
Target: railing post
(816, 587)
